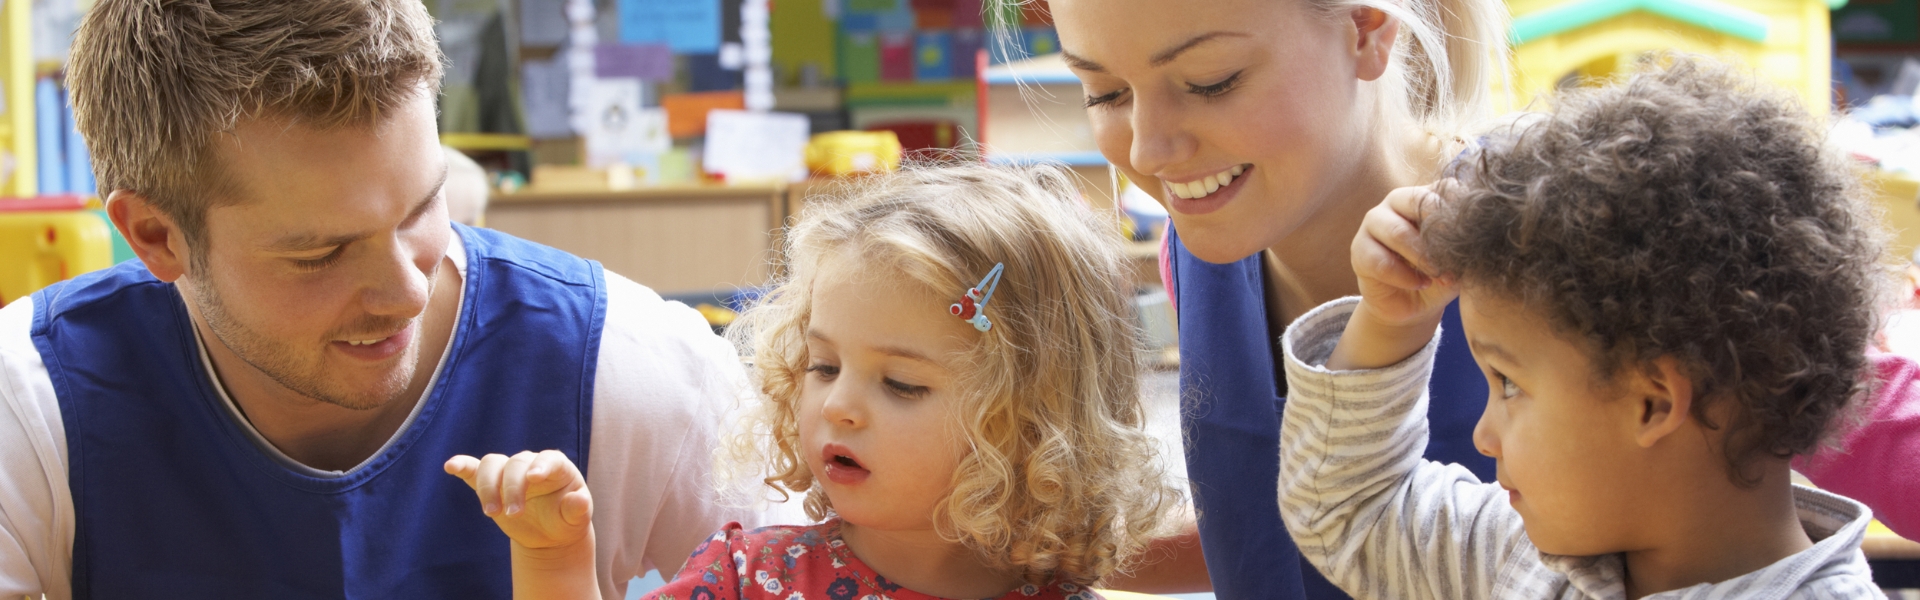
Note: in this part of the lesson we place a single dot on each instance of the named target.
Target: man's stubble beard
(282, 364)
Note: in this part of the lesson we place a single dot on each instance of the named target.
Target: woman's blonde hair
(1062, 483)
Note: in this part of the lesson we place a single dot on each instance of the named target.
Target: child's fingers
(464, 467)
(1396, 223)
(1380, 250)
(576, 508)
(513, 482)
(488, 480)
(552, 472)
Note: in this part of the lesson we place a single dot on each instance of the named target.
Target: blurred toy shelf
(484, 142)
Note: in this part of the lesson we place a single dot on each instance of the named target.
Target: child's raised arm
(1401, 299)
(1360, 502)
(541, 502)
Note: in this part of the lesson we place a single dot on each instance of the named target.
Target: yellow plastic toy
(840, 153)
(19, 173)
(1787, 41)
(42, 248)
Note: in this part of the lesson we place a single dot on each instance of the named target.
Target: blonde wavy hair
(1062, 483)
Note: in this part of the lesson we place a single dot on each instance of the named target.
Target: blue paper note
(687, 26)
(79, 165)
(49, 134)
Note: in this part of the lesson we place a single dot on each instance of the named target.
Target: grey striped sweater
(1381, 522)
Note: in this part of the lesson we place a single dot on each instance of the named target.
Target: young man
(261, 406)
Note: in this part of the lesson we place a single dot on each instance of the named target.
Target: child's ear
(1664, 396)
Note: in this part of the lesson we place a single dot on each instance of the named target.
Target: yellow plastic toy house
(18, 170)
(1784, 40)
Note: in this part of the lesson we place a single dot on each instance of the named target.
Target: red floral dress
(810, 562)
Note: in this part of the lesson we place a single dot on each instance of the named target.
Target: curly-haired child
(1669, 284)
(949, 376)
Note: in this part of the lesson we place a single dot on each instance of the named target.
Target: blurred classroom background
(672, 139)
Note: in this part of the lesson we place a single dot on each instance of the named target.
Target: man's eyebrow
(308, 241)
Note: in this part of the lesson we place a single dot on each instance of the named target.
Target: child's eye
(1216, 89)
(1508, 388)
(905, 390)
(825, 372)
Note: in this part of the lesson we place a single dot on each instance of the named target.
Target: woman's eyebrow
(1167, 56)
(1159, 60)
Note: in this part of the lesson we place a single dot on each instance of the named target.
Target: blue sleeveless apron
(173, 499)
(1231, 398)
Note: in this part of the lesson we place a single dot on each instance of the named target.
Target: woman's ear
(1376, 32)
(1664, 396)
(154, 237)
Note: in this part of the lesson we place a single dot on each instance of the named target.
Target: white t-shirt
(663, 381)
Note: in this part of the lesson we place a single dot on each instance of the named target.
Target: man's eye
(314, 264)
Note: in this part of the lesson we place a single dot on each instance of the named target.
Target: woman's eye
(1508, 388)
(825, 372)
(1216, 89)
(1105, 99)
(905, 390)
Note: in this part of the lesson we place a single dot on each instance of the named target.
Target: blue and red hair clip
(972, 307)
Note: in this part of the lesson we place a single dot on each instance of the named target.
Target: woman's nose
(1160, 137)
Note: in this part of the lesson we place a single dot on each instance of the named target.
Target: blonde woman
(949, 375)
(1269, 128)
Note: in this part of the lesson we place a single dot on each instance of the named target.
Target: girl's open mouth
(842, 466)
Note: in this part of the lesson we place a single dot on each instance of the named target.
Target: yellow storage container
(839, 153)
(38, 249)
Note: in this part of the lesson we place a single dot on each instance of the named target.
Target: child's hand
(539, 500)
(1401, 299)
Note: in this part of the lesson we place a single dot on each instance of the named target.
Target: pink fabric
(1879, 463)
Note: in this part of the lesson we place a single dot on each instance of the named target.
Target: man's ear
(1663, 394)
(1376, 32)
(155, 238)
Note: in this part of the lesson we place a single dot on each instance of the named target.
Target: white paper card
(618, 129)
(756, 146)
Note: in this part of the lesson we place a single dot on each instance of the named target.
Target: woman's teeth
(1206, 185)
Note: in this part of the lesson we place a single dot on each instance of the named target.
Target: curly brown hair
(1690, 212)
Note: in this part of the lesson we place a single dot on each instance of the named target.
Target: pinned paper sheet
(544, 88)
(646, 62)
(756, 146)
(619, 130)
(688, 26)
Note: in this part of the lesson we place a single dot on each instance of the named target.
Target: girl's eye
(825, 372)
(1508, 388)
(1105, 99)
(315, 264)
(1215, 90)
(905, 390)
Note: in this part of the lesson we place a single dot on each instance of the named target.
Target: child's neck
(1720, 533)
(920, 561)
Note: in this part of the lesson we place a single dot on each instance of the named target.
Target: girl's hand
(1401, 298)
(539, 500)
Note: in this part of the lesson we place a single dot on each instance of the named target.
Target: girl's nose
(1485, 439)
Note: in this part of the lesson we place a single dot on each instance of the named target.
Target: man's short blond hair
(153, 81)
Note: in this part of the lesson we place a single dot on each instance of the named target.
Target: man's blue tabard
(1231, 400)
(173, 499)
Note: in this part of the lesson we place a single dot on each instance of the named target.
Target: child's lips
(842, 466)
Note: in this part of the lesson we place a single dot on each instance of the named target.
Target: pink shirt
(1880, 461)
